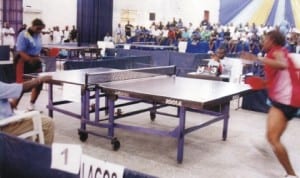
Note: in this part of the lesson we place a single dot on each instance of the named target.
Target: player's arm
(26, 57)
(278, 63)
(28, 85)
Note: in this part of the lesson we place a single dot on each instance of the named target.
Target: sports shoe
(31, 107)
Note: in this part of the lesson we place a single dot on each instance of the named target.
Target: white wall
(165, 10)
(143, 8)
(193, 10)
(53, 12)
(63, 12)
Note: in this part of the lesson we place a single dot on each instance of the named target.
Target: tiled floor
(245, 154)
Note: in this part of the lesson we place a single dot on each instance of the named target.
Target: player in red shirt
(282, 83)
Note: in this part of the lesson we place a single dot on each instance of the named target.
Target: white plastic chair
(37, 124)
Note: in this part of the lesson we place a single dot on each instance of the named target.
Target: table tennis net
(103, 77)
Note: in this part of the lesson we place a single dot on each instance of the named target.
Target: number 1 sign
(66, 157)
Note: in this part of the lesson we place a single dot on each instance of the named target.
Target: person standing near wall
(118, 34)
(8, 36)
(128, 28)
(27, 60)
(73, 34)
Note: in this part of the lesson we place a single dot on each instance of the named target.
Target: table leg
(180, 143)
(97, 105)
(225, 111)
(111, 109)
(50, 100)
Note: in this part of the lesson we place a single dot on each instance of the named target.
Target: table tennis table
(148, 46)
(78, 78)
(74, 50)
(155, 85)
(165, 89)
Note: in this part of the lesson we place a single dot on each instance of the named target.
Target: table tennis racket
(256, 83)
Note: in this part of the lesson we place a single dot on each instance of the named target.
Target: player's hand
(45, 78)
(248, 56)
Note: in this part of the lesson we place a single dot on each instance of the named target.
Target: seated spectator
(73, 34)
(10, 91)
(178, 34)
(212, 39)
(196, 36)
(171, 36)
(298, 44)
(185, 34)
(235, 39)
(254, 43)
(157, 35)
(138, 33)
(179, 24)
(205, 34)
(164, 37)
(216, 60)
(108, 38)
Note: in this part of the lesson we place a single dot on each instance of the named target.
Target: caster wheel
(119, 112)
(83, 136)
(115, 144)
(92, 107)
(152, 116)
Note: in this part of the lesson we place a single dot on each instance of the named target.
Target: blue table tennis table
(155, 85)
(186, 94)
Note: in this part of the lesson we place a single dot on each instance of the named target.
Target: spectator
(10, 91)
(108, 38)
(73, 34)
(8, 36)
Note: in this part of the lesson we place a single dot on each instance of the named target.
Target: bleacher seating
(200, 47)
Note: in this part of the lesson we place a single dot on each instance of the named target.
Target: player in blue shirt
(27, 60)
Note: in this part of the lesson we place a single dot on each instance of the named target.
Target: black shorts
(288, 111)
(35, 67)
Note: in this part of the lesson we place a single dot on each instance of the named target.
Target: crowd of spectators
(234, 37)
(55, 35)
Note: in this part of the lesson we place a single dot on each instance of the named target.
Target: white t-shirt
(57, 36)
(8, 37)
(108, 38)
